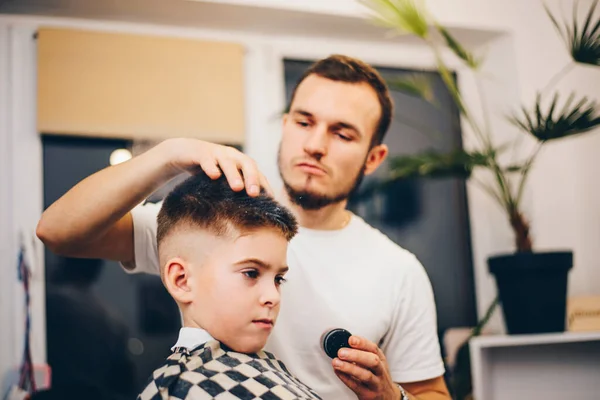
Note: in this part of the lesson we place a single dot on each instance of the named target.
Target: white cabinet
(546, 367)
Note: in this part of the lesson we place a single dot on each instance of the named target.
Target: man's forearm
(430, 396)
(90, 208)
(431, 389)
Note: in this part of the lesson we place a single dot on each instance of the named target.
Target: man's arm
(93, 219)
(431, 389)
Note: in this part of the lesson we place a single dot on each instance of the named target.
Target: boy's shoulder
(212, 370)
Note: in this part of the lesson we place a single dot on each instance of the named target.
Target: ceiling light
(119, 155)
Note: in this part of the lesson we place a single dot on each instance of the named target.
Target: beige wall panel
(139, 87)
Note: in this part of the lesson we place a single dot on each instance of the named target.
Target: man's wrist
(165, 156)
(403, 394)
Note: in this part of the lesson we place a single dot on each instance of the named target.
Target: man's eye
(303, 124)
(343, 137)
(280, 280)
(252, 274)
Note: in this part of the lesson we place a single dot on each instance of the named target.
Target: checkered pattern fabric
(213, 371)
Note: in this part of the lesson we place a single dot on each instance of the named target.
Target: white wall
(21, 197)
(563, 197)
(6, 241)
(458, 13)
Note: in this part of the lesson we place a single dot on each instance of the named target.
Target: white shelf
(532, 340)
(547, 366)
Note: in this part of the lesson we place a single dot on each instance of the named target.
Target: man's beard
(313, 201)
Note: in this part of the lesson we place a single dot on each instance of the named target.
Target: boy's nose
(270, 296)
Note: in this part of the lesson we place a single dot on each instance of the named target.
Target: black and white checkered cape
(213, 371)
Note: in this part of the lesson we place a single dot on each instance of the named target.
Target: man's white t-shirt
(355, 278)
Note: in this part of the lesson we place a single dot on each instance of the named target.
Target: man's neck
(331, 217)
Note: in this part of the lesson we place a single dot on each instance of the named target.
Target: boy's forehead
(262, 238)
(264, 243)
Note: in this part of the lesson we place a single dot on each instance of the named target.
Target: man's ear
(284, 119)
(177, 279)
(375, 157)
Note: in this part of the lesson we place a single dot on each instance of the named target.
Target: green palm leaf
(571, 120)
(404, 16)
(584, 43)
(413, 85)
(514, 168)
(458, 49)
(458, 163)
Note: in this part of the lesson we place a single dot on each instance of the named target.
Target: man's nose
(316, 142)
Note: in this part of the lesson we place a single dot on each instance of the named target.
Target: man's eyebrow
(302, 112)
(262, 264)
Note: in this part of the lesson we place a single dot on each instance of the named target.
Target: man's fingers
(265, 184)
(382, 357)
(361, 343)
(362, 358)
(251, 177)
(349, 381)
(357, 372)
(210, 168)
(239, 170)
(232, 173)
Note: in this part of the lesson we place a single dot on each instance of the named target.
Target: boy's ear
(177, 279)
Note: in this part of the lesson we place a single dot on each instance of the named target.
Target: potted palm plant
(531, 285)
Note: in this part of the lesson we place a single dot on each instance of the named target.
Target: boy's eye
(252, 274)
(303, 124)
(280, 280)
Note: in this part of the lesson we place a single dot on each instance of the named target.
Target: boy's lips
(264, 323)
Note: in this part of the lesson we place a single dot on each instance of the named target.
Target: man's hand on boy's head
(364, 369)
(214, 159)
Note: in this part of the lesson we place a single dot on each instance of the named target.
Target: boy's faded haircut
(210, 204)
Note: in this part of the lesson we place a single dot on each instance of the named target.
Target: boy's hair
(210, 204)
(351, 70)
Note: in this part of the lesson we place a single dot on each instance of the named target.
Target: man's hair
(351, 70)
(209, 204)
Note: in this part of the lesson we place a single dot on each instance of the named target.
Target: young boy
(223, 258)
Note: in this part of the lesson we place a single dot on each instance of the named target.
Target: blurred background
(87, 84)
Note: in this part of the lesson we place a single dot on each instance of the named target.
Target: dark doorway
(105, 328)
